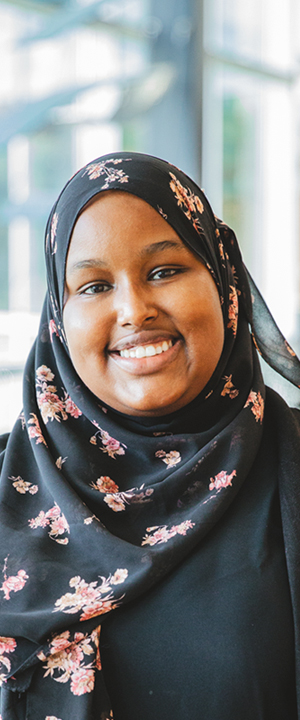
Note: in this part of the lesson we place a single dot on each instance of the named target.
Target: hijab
(96, 507)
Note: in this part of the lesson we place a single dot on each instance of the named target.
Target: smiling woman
(142, 313)
(149, 490)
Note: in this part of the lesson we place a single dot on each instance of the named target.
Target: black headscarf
(94, 507)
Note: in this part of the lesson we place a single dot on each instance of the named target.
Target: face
(142, 313)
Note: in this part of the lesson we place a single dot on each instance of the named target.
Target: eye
(95, 289)
(163, 273)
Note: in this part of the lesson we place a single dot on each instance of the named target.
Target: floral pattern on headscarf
(107, 500)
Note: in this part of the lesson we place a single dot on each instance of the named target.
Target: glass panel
(50, 159)
(250, 176)
(260, 30)
(239, 186)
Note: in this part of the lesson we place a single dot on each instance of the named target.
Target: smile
(142, 351)
(147, 359)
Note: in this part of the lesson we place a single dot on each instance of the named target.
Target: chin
(146, 408)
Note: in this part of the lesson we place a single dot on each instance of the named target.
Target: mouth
(146, 358)
(142, 351)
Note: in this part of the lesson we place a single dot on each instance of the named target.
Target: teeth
(146, 350)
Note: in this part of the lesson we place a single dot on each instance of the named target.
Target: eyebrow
(160, 246)
(148, 250)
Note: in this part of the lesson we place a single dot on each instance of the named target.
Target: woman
(150, 489)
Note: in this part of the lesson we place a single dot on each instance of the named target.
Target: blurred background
(210, 85)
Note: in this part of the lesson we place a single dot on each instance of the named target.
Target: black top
(215, 639)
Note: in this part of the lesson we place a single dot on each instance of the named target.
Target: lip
(145, 337)
(147, 365)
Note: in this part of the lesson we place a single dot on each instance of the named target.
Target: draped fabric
(98, 507)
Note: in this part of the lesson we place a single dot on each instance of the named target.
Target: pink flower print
(60, 642)
(79, 636)
(95, 170)
(257, 402)
(110, 445)
(44, 373)
(221, 250)
(171, 458)
(115, 502)
(13, 583)
(50, 406)
(162, 534)
(34, 430)
(67, 662)
(83, 681)
(71, 408)
(184, 527)
(23, 486)
(88, 520)
(60, 461)
(98, 608)
(75, 656)
(105, 485)
(57, 522)
(179, 191)
(199, 204)
(41, 520)
(233, 310)
(90, 598)
(84, 593)
(52, 329)
(229, 388)
(186, 198)
(49, 717)
(119, 576)
(58, 526)
(54, 511)
(7, 645)
(221, 480)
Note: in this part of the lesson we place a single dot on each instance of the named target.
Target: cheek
(86, 330)
(205, 332)
(202, 314)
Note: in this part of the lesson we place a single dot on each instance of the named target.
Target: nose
(134, 306)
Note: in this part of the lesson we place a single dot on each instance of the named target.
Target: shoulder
(283, 421)
(279, 406)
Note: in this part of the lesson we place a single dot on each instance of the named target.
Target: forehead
(120, 218)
